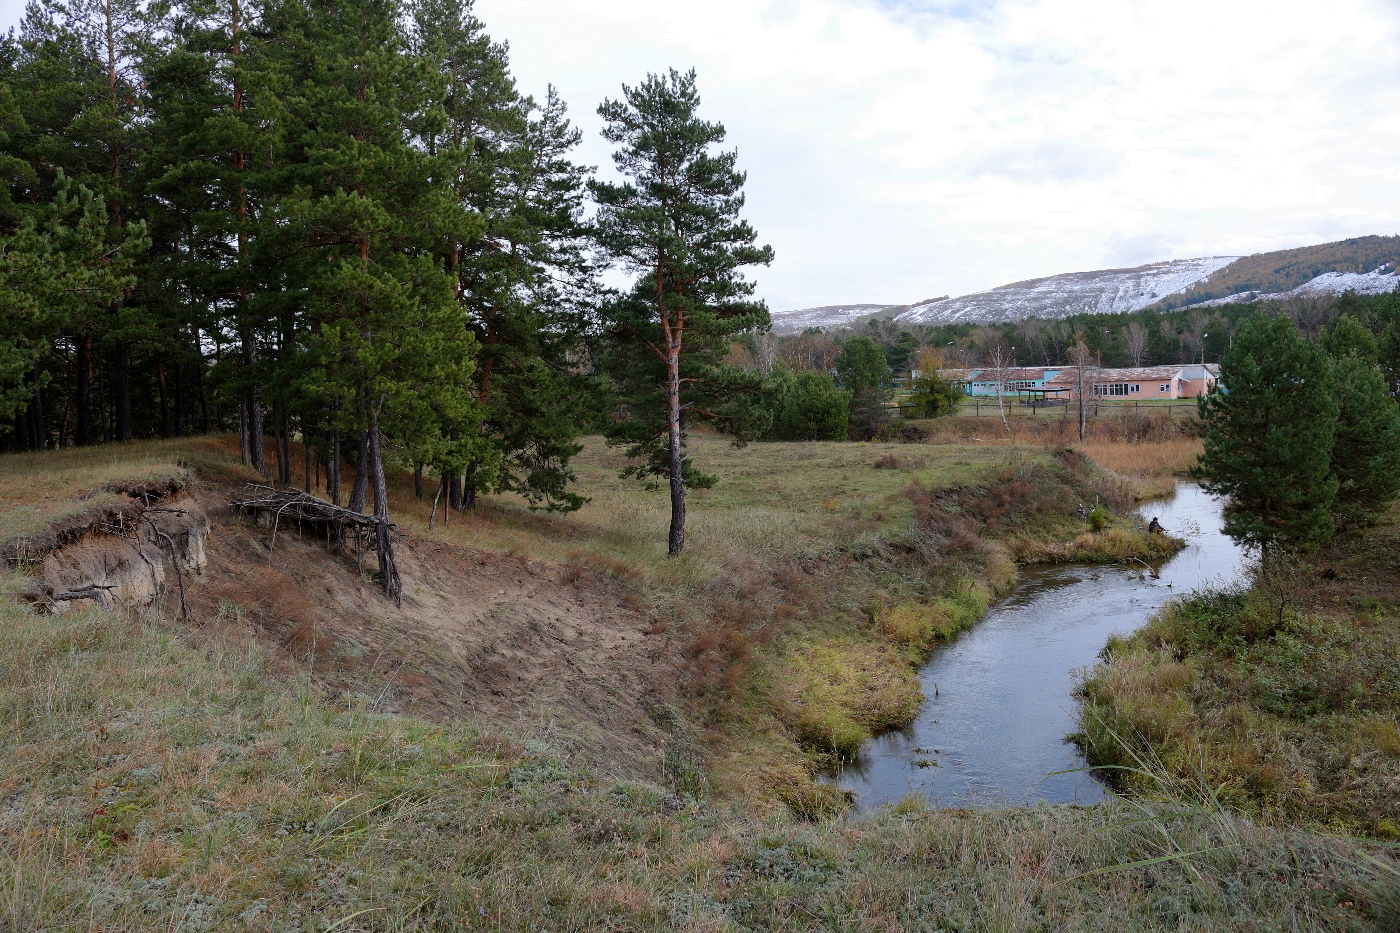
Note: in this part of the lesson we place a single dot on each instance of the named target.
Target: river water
(992, 732)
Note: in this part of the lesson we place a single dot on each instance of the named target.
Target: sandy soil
(494, 637)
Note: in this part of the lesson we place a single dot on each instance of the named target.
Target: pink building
(1152, 382)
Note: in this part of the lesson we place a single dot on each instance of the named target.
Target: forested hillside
(1283, 270)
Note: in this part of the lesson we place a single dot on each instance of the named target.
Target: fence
(984, 406)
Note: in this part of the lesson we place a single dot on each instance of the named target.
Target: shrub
(806, 406)
(933, 396)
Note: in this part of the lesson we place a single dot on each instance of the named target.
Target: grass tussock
(1103, 547)
(921, 627)
(1285, 698)
(146, 784)
(841, 694)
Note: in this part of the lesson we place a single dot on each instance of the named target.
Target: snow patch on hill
(827, 316)
(1107, 291)
(1377, 282)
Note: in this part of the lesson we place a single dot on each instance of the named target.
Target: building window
(1111, 388)
(1137, 388)
(1164, 387)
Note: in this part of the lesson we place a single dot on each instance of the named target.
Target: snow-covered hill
(1194, 283)
(1108, 291)
(827, 317)
(1377, 282)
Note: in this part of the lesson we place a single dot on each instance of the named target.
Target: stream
(992, 731)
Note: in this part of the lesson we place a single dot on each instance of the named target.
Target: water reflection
(999, 706)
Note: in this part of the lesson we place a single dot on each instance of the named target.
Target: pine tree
(62, 265)
(933, 396)
(1269, 439)
(1348, 337)
(863, 371)
(385, 341)
(807, 406)
(1388, 350)
(1366, 448)
(674, 222)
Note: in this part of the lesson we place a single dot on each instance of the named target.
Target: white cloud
(900, 150)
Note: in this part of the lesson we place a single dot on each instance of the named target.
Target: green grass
(148, 784)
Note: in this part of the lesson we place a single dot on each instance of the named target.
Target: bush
(807, 406)
(933, 396)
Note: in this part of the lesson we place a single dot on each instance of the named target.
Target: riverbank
(1282, 698)
(992, 729)
(817, 579)
(148, 784)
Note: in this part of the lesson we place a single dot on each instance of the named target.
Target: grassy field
(1285, 698)
(816, 578)
(150, 781)
(146, 785)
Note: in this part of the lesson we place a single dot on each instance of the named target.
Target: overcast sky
(903, 150)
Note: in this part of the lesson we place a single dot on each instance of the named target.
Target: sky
(898, 151)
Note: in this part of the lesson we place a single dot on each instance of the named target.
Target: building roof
(1101, 375)
(992, 374)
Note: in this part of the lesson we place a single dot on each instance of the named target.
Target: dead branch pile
(293, 505)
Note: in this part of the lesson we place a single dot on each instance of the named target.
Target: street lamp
(1203, 349)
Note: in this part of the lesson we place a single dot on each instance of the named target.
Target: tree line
(339, 224)
(1132, 339)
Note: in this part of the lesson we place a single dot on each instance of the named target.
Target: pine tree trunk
(164, 401)
(468, 503)
(676, 539)
(179, 406)
(388, 569)
(418, 481)
(333, 468)
(277, 447)
(306, 449)
(359, 493)
(36, 410)
(286, 450)
(243, 446)
(82, 430)
(257, 442)
(122, 375)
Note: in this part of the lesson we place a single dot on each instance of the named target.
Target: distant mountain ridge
(1362, 264)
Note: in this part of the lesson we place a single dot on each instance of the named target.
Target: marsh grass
(1284, 697)
(149, 785)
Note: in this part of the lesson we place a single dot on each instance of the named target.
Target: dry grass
(1146, 459)
(146, 785)
(800, 545)
(1285, 698)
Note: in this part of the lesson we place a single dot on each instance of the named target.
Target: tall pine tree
(674, 223)
(1269, 439)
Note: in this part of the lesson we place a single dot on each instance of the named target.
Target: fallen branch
(94, 591)
(304, 507)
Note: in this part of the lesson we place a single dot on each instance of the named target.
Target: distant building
(1152, 382)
